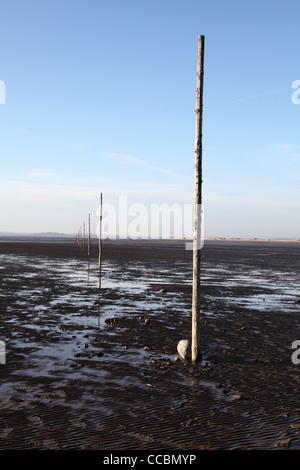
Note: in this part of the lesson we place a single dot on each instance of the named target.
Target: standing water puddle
(75, 307)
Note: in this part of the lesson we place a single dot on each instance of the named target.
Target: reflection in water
(268, 288)
(88, 272)
(98, 303)
(80, 299)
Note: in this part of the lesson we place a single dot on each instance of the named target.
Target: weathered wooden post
(100, 239)
(89, 238)
(79, 237)
(83, 236)
(195, 347)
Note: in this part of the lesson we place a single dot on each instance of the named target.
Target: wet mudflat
(90, 368)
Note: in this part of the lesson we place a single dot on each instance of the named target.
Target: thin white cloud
(244, 201)
(38, 193)
(258, 95)
(54, 207)
(41, 174)
(141, 163)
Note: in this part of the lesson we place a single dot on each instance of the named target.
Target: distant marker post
(100, 239)
(89, 238)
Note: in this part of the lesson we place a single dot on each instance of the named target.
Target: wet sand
(85, 371)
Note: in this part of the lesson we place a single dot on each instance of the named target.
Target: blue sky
(100, 96)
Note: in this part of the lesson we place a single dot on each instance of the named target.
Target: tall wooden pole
(83, 236)
(195, 352)
(89, 239)
(100, 239)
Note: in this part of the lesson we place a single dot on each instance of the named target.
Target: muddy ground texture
(90, 368)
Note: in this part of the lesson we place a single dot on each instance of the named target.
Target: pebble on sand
(183, 348)
(285, 443)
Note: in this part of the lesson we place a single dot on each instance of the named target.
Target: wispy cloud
(244, 201)
(24, 192)
(58, 207)
(258, 95)
(140, 163)
(41, 174)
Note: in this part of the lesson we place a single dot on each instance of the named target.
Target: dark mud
(85, 370)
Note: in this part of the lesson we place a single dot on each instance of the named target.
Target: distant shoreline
(64, 237)
(254, 239)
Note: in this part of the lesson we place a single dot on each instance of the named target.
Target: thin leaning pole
(195, 347)
(79, 236)
(89, 236)
(83, 236)
(100, 239)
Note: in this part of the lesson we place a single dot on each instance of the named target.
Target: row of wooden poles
(81, 237)
(195, 346)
